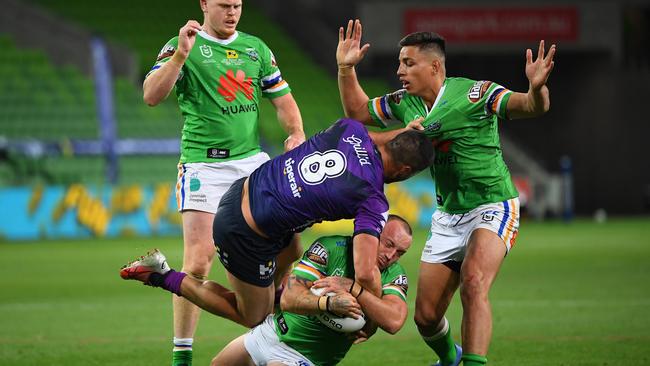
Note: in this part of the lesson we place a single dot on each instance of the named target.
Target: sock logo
(233, 83)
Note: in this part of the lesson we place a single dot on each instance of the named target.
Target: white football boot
(143, 267)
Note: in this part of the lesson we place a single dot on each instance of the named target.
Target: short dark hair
(406, 224)
(428, 41)
(412, 148)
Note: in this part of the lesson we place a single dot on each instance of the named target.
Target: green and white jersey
(218, 90)
(463, 122)
(329, 256)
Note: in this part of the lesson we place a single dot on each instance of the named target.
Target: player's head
(406, 154)
(394, 241)
(421, 61)
(221, 16)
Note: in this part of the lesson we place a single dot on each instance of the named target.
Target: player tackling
(337, 174)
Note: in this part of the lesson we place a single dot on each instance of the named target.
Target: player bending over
(337, 174)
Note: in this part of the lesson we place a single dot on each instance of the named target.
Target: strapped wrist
(323, 303)
(356, 289)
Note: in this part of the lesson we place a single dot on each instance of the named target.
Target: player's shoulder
(324, 249)
(251, 39)
(333, 242)
(394, 269)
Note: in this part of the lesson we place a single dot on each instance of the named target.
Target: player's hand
(344, 304)
(187, 37)
(294, 140)
(365, 333)
(416, 124)
(334, 284)
(349, 51)
(539, 70)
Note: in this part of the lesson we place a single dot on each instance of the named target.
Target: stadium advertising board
(83, 211)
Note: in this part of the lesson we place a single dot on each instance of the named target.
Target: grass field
(575, 294)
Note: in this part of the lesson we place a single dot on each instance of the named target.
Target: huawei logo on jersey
(232, 83)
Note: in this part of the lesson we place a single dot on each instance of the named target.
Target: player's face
(222, 16)
(416, 70)
(394, 241)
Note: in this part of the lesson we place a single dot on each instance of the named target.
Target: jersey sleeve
(395, 282)
(491, 96)
(314, 262)
(371, 215)
(164, 55)
(271, 82)
(386, 110)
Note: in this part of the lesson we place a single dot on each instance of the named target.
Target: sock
(182, 354)
(470, 359)
(443, 344)
(170, 281)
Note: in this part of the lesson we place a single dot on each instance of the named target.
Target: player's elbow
(392, 324)
(365, 277)
(150, 99)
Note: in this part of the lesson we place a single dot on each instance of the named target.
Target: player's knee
(473, 287)
(427, 318)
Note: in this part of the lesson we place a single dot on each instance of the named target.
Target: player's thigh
(485, 254)
(197, 229)
(437, 284)
(234, 354)
(254, 303)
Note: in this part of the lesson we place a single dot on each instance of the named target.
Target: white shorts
(263, 345)
(201, 185)
(450, 233)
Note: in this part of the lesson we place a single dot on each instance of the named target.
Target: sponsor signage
(498, 24)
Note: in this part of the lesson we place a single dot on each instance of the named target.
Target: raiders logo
(477, 91)
(403, 282)
(167, 51)
(396, 97)
(317, 254)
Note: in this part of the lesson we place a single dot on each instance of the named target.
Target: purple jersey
(336, 174)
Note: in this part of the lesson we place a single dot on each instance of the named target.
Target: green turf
(574, 294)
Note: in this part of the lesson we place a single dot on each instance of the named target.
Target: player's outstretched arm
(297, 298)
(289, 116)
(160, 83)
(349, 53)
(537, 100)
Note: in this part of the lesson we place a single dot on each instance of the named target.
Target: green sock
(470, 359)
(443, 345)
(182, 358)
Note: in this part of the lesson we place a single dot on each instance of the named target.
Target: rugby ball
(335, 322)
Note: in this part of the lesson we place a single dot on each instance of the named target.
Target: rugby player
(220, 75)
(336, 174)
(477, 219)
(294, 336)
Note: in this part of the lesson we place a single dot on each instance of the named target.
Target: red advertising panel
(491, 25)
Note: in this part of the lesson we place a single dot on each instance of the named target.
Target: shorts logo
(477, 91)
(266, 270)
(195, 183)
(206, 51)
(489, 216)
(317, 254)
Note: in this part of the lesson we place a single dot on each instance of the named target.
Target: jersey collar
(224, 42)
(440, 93)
